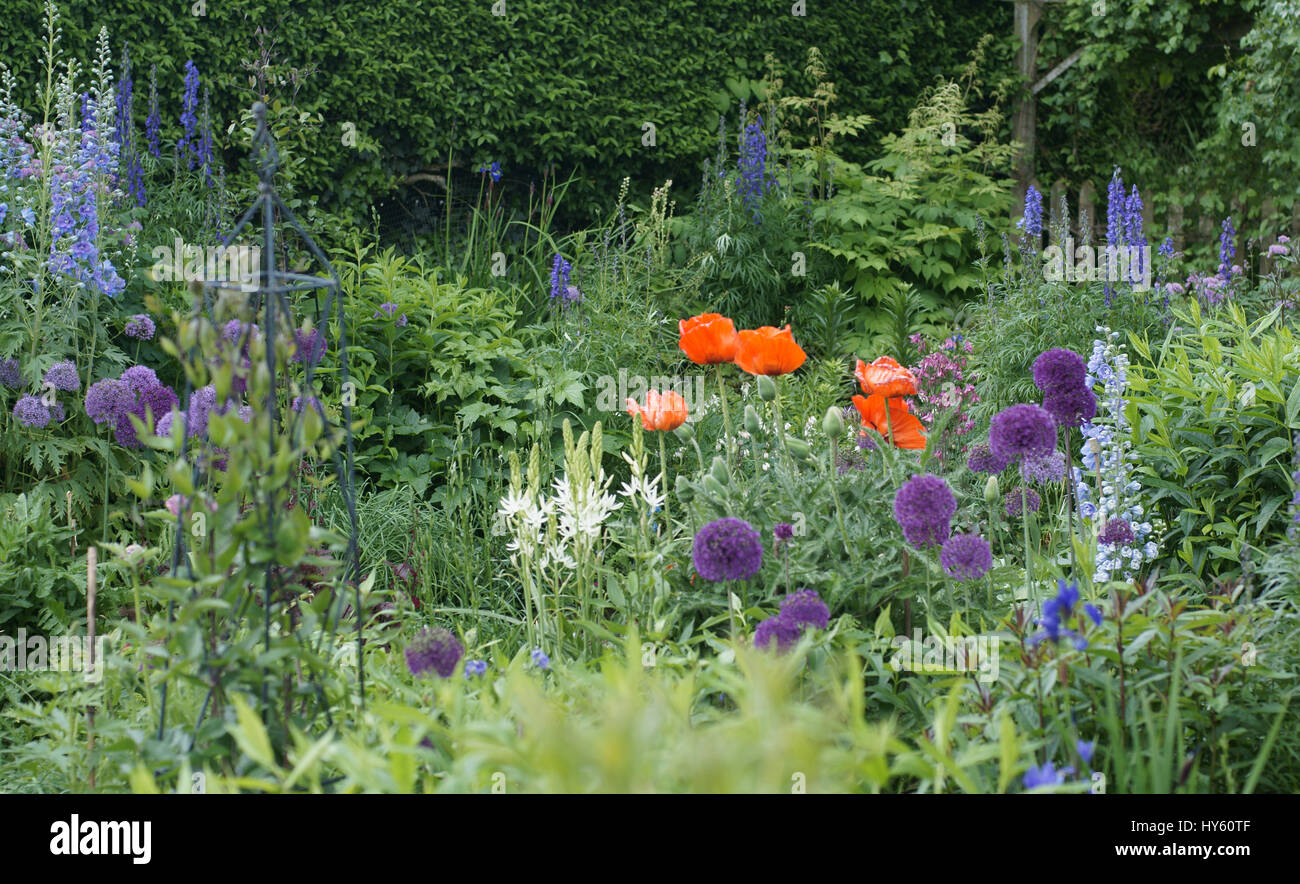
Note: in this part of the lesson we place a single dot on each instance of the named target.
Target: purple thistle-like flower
(1059, 370)
(139, 378)
(1043, 469)
(63, 376)
(924, 507)
(779, 630)
(805, 608)
(1014, 503)
(435, 649)
(1070, 408)
(141, 327)
(982, 460)
(30, 411)
(1021, 431)
(966, 557)
(11, 374)
(783, 532)
(727, 549)
(202, 401)
(1116, 532)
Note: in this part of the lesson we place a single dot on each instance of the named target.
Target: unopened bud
(833, 423)
(753, 425)
(766, 388)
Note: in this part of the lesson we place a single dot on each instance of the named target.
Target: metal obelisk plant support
(273, 286)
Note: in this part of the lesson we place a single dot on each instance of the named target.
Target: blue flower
(1047, 775)
(475, 667)
(494, 170)
(540, 660)
(1093, 612)
(1086, 750)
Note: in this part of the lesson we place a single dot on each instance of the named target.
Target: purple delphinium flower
(1058, 370)
(966, 557)
(1133, 235)
(1047, 775)
(982, 460)
(30, 411)
(1043, 469)
(1115, 208)
(727, 549)
(1021, 431)
(1227, 250)
(783, 532)
(1093, 612)
(540, 660)
(189, 143)
(435, 649)
(776, 629)
(753, 168)
(1117, 532)
(11, 374)
(475, 667)
(63, 376)
(1086, 750)
(805, 608)
(1014, 502)
(1033, 211)
(141, 327)
(300, 402)
(153, 123)
(1071, 408)
(560, 270)
(923, 508)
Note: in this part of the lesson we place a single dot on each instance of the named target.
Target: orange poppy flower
(908, 430)
(769, 351)
(886, 377)
(708, 339)
(662, 411)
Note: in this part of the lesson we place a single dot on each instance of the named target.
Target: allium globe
(1059, 370)
(806, 608)
(435, 649)
(776, 629)
(923, 508)
(727, 549)
(966, 557)
(1022, 431)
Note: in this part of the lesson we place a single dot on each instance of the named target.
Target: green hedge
(563, 82)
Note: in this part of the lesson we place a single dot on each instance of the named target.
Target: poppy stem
(663, 475)
(726, 417)
(889, 427)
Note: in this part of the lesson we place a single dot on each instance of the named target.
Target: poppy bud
(753, 425)
(719, 470)
(685, 432)
(684, 490)
(991, 491)
(766, 388)
(799, 448)
(833, 423)
(714, 487)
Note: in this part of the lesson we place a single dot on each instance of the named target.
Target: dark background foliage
(562, 84)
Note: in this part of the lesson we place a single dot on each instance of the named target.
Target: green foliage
(1216, 406)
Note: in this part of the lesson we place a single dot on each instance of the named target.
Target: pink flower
(1284, 238)
(1278, 250)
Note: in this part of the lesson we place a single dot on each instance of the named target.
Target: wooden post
(1174, 219)
(1026, 25)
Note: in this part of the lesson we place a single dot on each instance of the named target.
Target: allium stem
(1024, 521)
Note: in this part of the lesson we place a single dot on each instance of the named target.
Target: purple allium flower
(1070, 408)
(140, 327)
(202, 401)
(1043, 469)
(805, 608)
(309, 347)
(30, 411)
(783, 531)
(1014, 502)
(1116, 532)
(63, 376)
(540, 660)
(1047, 775)
(966, 557)
(435, 649)
(236, 331)
(784, 632)
(982, 460)
(139, 378)
(1058, 370)
(11, 374)
(165, 423)
(106, 399)
(727, 549)
(1020, 431)
(923, 508)
(475, 667)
